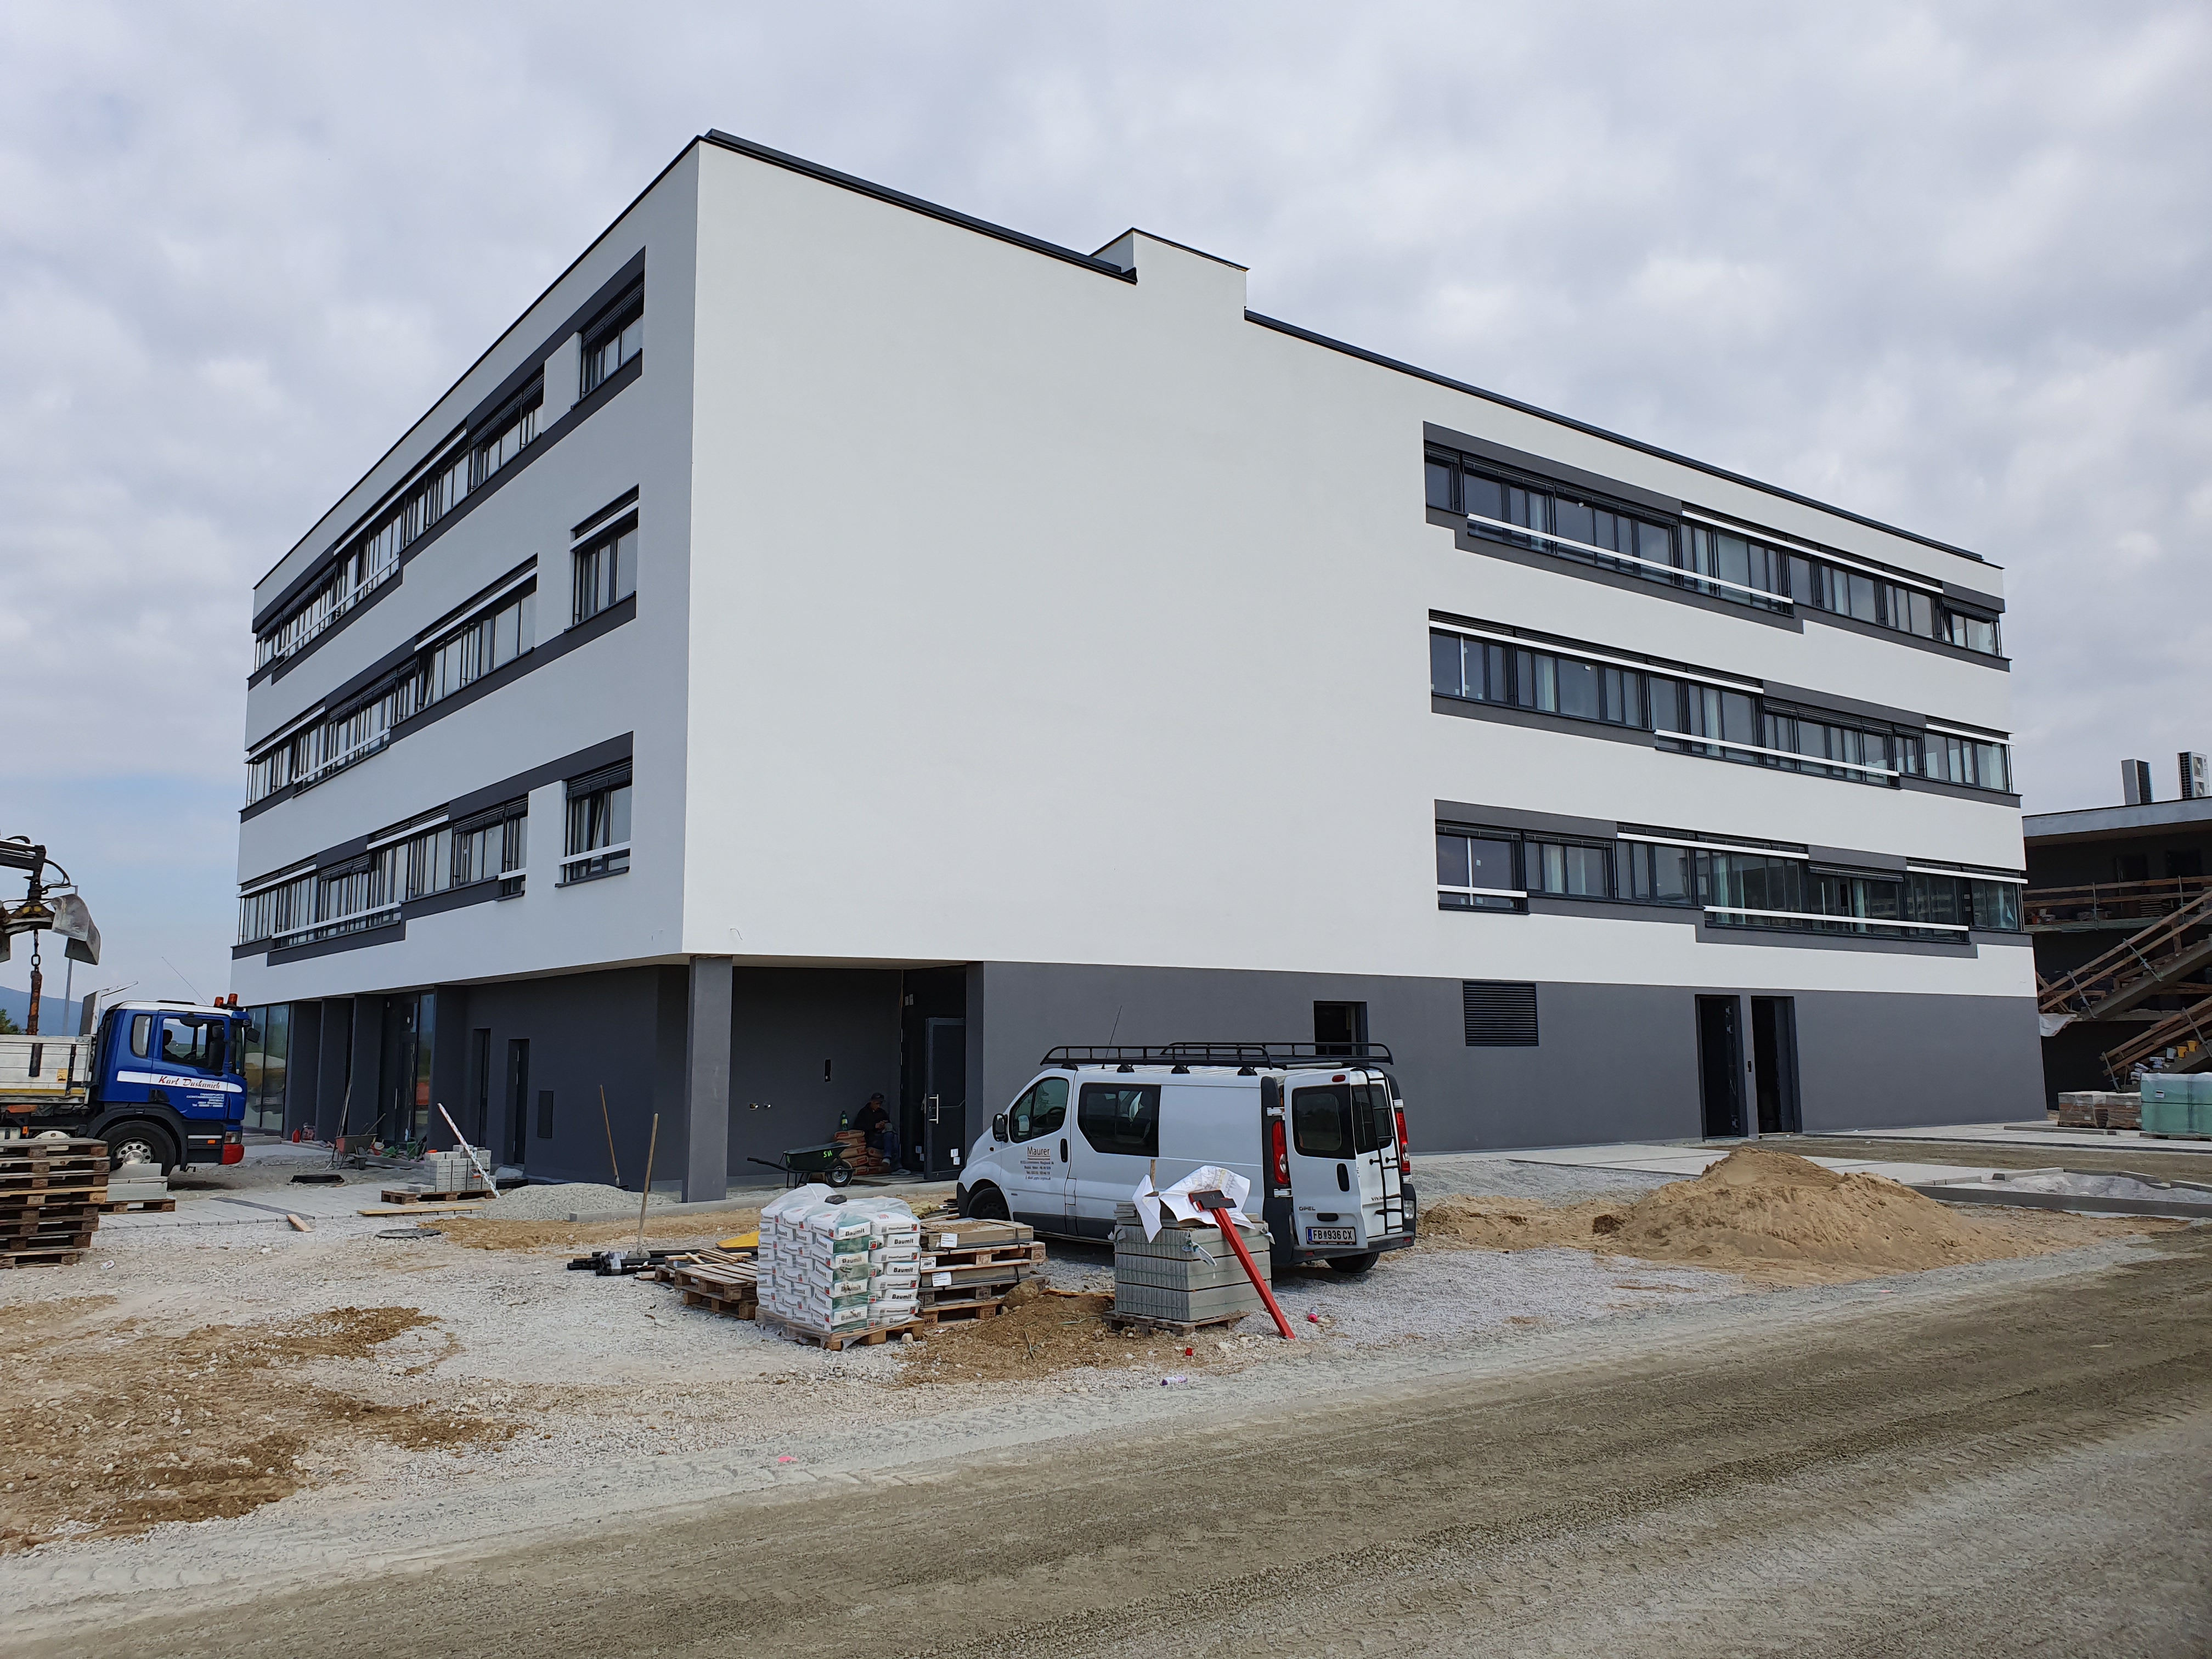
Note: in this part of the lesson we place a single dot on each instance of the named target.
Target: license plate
(1332, 1236)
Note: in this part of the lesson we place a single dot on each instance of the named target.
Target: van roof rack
(1253, 1055)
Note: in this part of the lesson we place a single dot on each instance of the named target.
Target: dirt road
(2022, 1470)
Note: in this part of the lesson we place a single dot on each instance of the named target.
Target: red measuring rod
(1216, 1205)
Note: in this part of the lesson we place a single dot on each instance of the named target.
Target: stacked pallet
(853, 1146)
(50, 1194)
(967, 1267)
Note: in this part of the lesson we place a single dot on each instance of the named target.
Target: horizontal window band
(1967, 875)
(498, 589)
(517, 808)
(1860, 921)
(1521, 642)
(1717, 847)
(1783, 754)
(1780, 600)
(1769, 538)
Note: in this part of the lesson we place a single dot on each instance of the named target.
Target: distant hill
(57, 1017)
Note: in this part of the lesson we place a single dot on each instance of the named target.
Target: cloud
(1947, 267)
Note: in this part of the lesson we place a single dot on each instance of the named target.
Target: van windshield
(1341, 1120)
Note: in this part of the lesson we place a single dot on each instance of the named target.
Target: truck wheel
(140, 1143)
(1354, 1265)
(987, 1203)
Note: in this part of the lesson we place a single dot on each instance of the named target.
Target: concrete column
(706, 1126)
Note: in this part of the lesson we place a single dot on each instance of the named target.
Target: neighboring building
(830, 644)
(2123, 889)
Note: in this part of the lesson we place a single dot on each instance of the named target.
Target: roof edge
(799, 164)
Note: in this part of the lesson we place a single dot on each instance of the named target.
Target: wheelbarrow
(801, 1165)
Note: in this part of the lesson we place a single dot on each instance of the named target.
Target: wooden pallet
(721, 1281)
(838, 1341)
(137, 1206)
(406, 1195)
(1151, 1326)
(46, 1255)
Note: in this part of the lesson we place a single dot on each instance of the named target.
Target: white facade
(1025, 612)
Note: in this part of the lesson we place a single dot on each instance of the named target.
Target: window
(606, 570)
(1573, 868)
(142, 1035)
(1475, 872)
(504, 437)
(598, 826)
(1482, 670)
(1962, 901)
(191, 1042)
(1724, 563)
(616, 336)
(1120, 1117)
(1321, 1121)
(1040, 1111)
(1498, 1013)
(1655, 874)
(1973, 761)
(488, 846)
(1861, 755)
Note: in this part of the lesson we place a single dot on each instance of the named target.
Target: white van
(1321, 1136)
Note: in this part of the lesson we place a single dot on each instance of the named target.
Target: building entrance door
(1720, 1065)
(944, 1097)
(1774, 1064)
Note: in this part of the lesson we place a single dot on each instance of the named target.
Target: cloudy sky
(1947, 267)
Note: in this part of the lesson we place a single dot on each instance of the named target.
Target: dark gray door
(944, 1096)
(1720, 1065)
(1774, 1064)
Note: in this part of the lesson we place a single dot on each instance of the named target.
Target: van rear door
(1343, 1148)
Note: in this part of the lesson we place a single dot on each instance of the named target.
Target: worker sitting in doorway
(875, 1123)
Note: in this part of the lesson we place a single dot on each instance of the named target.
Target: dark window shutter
(607, 777)
(1500, 1013)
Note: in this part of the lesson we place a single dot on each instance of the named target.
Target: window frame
(625, 312)
(607, 540)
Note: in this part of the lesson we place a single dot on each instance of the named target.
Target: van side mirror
(999, 1128)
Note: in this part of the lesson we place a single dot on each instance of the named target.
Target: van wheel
(987, 1203)
(1354, 1265)
(139, 1143)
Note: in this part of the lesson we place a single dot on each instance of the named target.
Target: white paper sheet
(1176, 1200)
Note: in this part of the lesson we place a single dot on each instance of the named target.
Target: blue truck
(160, 1082)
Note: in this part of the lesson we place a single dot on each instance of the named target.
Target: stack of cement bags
(835, 1265)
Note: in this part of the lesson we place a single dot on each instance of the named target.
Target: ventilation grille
(1500, 1013)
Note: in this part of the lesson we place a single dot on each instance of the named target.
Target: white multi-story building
(831, 645)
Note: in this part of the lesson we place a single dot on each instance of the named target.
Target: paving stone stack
(1186, 1277)
(51, 1192)
(452, 1172)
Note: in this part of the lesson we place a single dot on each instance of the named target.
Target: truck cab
(160, 1082)
(1322, 1137)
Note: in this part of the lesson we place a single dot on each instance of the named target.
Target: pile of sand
(1778, 1218)
(1043, 1331)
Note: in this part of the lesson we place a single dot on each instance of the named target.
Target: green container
(2177, 1103)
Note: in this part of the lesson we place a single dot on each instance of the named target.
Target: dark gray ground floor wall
(1613, 1062)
